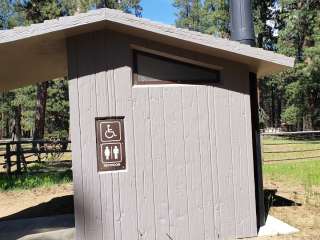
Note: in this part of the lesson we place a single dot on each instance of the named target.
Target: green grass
(306, 173)
(33, 180)
(277, 148)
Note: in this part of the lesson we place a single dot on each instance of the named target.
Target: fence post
(18, 152)
(24, 163)
(39, 146)
(8, 158)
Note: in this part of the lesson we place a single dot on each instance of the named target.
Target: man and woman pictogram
(111, 152)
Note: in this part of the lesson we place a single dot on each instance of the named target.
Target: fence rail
(292, 133)
(292, 143)
(294, 151)
(291, 146)
(27, 148)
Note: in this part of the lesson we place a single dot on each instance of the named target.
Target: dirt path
(55, 199)
(35, 202)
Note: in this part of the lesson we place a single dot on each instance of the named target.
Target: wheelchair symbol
(109, 133)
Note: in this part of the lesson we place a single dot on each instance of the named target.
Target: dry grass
(13, 202)
(305, 217)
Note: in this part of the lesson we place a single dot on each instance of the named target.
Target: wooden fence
(24, 149)
(291, 146)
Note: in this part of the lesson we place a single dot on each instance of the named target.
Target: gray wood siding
(188, 148)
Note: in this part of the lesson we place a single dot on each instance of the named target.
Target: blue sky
(158, 10)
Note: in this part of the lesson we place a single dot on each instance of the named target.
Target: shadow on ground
(56, 206)
(271, 199)
(50, 216)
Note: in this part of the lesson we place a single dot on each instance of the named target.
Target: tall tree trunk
(311, 110)
(7, 127)
(312, 96)
(42, 94)
(16, 124)
(272, 107)
(2, 125)
(260, 94)
(2, 118)
(260, 40)
(307, 122)
(16, 135)
(279, 109)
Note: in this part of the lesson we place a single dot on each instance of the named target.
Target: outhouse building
(163, 121)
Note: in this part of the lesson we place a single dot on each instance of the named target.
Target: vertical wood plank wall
(188, 148)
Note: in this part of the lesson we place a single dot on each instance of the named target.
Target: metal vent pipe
(242, 29)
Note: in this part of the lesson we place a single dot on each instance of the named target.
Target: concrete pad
(16, 229)
(66, 234)
(275, 227)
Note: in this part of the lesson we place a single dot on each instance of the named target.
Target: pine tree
(195, 15)
(299, 38)
(10, 108)
(215, 18)
(266, 22)
(6, 14)
(128, 6)
(57, 122)
(37, 11)
(24, 99)
(184, 12)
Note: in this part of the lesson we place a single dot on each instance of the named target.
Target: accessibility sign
(110, 143)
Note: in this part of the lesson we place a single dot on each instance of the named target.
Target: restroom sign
(111, 152)
(110, 144)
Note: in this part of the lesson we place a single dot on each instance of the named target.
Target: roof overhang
(38, 52)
